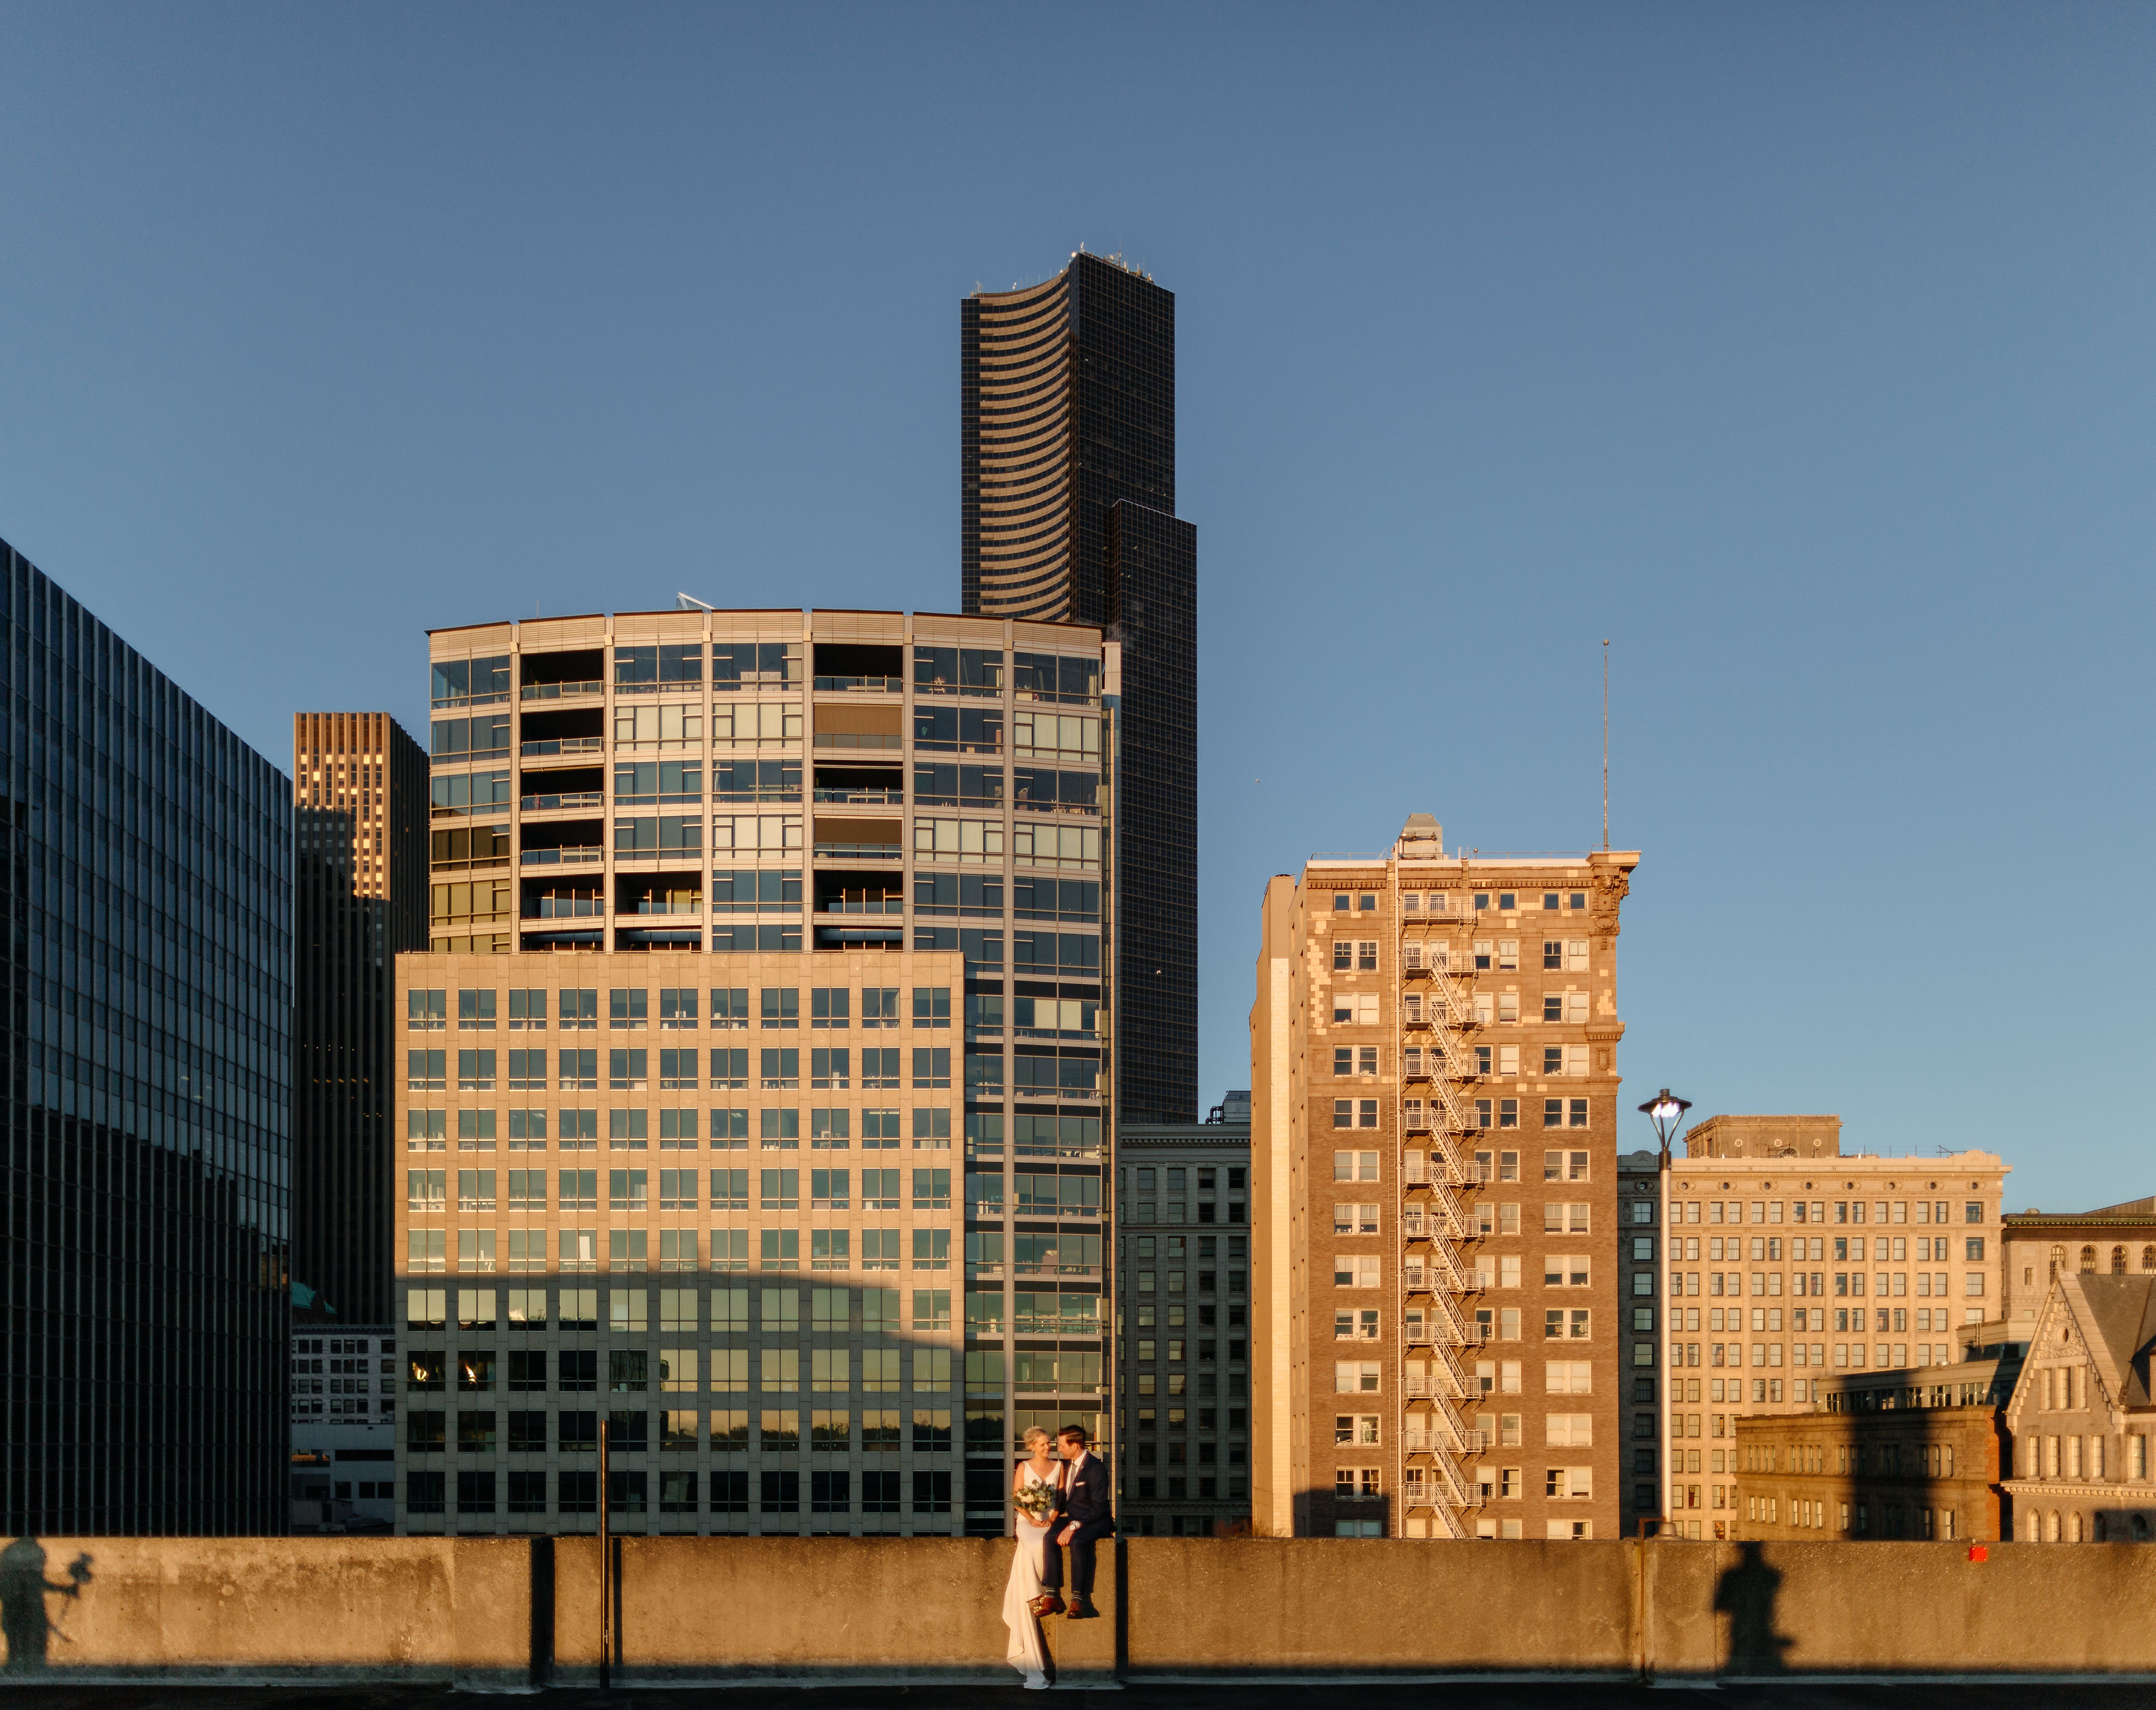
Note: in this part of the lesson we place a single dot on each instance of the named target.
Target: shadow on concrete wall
(1747, 1594)
(23, 1589)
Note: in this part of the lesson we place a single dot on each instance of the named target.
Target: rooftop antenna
(1605, 742)
(690, 602)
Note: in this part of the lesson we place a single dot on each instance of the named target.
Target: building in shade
(145, 1117)
(752, 1104)
(1885, 1455)
(1639, 1238)
(359, 792)
(1434, 1192)
(1067, 494)
(1183, 1294)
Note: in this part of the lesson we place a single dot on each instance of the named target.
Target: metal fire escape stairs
(1438, 1274)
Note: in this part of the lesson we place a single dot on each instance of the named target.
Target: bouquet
(1037, 1500)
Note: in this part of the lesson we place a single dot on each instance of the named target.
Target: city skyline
(1684, 333)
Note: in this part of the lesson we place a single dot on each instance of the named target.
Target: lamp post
(1665, 1110)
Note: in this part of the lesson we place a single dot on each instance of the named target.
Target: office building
(147, 961)
(1884, 1455)
(1639, 1243)
(346, 1379)
(1845, 1263)
(1434, 1169)
(2036, 1248)
(359, 793)
(1183, 1278)
(2082, 1414)
(1067, 496)
(752, 1105)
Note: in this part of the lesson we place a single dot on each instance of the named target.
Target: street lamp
(1665, 1110)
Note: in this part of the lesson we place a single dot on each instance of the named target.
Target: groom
(1084, 1506)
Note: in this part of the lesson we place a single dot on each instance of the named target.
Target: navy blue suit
(1085, 1502)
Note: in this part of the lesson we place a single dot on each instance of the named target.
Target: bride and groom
(1061, 1493)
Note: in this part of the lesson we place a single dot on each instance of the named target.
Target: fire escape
(1438, 1225)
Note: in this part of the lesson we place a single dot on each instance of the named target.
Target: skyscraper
(146, 964)
(359, 792)
(1067, 488)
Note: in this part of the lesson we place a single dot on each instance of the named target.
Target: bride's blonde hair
(1034, 1432)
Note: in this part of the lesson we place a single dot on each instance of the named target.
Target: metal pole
(606, 1573)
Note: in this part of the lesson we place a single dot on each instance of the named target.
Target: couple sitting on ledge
(1060, 1490)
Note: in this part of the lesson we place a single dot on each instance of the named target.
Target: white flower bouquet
(1037, 1500)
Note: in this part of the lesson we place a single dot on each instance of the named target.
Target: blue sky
(1805, 352)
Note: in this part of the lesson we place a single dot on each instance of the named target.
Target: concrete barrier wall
(503, 1611)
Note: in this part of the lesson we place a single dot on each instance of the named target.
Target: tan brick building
(1435, 1349)
(2037, 1248)
(1790, 1262)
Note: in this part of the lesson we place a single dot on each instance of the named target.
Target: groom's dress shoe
(1048, 1604)
(1082, 1611)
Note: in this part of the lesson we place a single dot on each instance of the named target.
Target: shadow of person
(22, 1589)
(1746, 1594)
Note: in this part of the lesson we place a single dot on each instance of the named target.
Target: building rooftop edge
(806, 611)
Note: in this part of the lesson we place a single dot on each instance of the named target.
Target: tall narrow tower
(1067, 479)
(359, 792)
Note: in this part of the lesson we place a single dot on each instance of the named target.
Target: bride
(1042, 1470)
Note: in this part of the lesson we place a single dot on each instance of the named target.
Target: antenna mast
(1605, 742)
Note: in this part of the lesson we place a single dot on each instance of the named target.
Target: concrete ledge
(509, 1613)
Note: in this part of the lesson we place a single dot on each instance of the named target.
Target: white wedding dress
(1025, 1652)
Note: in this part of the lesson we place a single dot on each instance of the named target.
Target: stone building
(1183, 1276)
(2038, 1247)
(2081, 1415)
(1847, 1262)
(1885, 1455)
(1436, 1349)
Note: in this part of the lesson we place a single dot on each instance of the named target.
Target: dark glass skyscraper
(144, 962)
(1067, 484)
(359, 790)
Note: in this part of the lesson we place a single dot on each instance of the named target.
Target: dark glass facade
(146, 971)
(359, 792)
(1067, 488)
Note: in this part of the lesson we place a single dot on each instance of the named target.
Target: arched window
(2119, 1261)
(2052, 1527)
(2034, 1528)
(2058, 1263)
(2073, 1528)
(2141, 1528)
(2096, 1528)
(2148, 1258)
(2088, 1258)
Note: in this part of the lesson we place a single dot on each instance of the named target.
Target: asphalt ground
(1555, 1694)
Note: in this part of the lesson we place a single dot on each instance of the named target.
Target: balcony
(561, 691)
(860, 685)
(659, 905)
(554, 746)
(856, 851)
(892, 796)
(562, 857)
(572, 798)
(858, 739)
(567, 908)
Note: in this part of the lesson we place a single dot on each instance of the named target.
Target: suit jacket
(1085, 1497)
